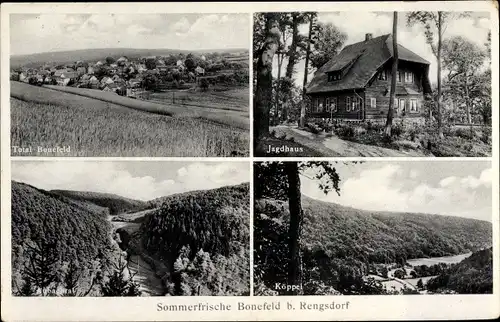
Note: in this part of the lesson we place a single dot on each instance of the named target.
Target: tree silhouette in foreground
(282, 180)
(118, 284)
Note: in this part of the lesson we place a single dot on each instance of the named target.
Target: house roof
(69, 75)
(366, 57)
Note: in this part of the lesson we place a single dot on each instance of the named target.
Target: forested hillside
(339, 243)
(56, 235)
(473, 275)
(202, 238)
(116, 204)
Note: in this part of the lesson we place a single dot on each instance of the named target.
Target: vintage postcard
(239, 161)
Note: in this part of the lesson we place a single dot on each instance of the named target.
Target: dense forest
(115, 204)
(59, 247)
(339, 244)
(197, 242)
(201, 239)
(473, 275)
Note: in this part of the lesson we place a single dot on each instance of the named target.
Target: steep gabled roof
(366, 58)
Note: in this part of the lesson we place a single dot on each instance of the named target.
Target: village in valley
(137, 77)
(164, 85)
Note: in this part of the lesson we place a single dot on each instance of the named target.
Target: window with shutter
(373, 102)
(347, 104)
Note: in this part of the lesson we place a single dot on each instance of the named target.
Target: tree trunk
(296, 218)
(467, 101)
(264, 91)
(280, 63)
(440, 34)
(302, 120)
(394, 72)
(292, 57)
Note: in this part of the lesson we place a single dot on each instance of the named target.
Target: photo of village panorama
(372, 84)
(129, 85)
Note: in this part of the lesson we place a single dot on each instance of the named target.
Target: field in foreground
(92, 127)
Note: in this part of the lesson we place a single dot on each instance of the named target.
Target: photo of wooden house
(355, 84)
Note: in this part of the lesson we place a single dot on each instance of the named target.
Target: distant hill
(116, 204)
(197, 234)
(65, 57)
(347, 240)
(473, 275)
(79, 235)
(390, 236)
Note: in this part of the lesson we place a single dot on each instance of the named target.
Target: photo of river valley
(382, 228)
(85, 228)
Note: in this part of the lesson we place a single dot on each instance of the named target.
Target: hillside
(346, 240)
(63, 57)
(473, 275)
(201, 240)
(116, 204)
(69, 232)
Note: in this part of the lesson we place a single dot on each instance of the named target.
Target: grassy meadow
(235, 99)
(93, 127)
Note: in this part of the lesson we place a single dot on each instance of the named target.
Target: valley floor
(143, 274)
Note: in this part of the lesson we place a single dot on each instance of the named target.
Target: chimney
(368, 37)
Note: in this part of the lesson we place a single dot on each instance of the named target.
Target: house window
(395, 103)
(402, 106)
(327, 104)
(334, 76)
(373, 102)
(382, 75)
(356, 103)
(408, 77)
(348, 104)
(400, 76)
(320, 105)
(333, 104)
(413, 105)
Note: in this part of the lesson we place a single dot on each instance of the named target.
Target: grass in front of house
(96, 128)
(408, 136)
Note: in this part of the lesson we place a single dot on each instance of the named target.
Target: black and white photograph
(382, 228)
(372, 84)
(135, 85)
(101, 229)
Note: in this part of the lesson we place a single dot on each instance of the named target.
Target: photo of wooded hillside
(372, 84)
(130, 85)
(326, 228)
(172, 240)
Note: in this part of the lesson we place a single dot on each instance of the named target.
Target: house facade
(355, 84)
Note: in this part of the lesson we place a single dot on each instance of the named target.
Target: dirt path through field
(334, 146)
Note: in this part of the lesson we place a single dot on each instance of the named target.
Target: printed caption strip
(280, 161)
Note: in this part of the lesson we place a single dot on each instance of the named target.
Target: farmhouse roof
(360, 62)
(69, 75)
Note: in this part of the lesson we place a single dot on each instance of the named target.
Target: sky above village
(475, 28)
(137, 180)
(454, 188)
(31, 33)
